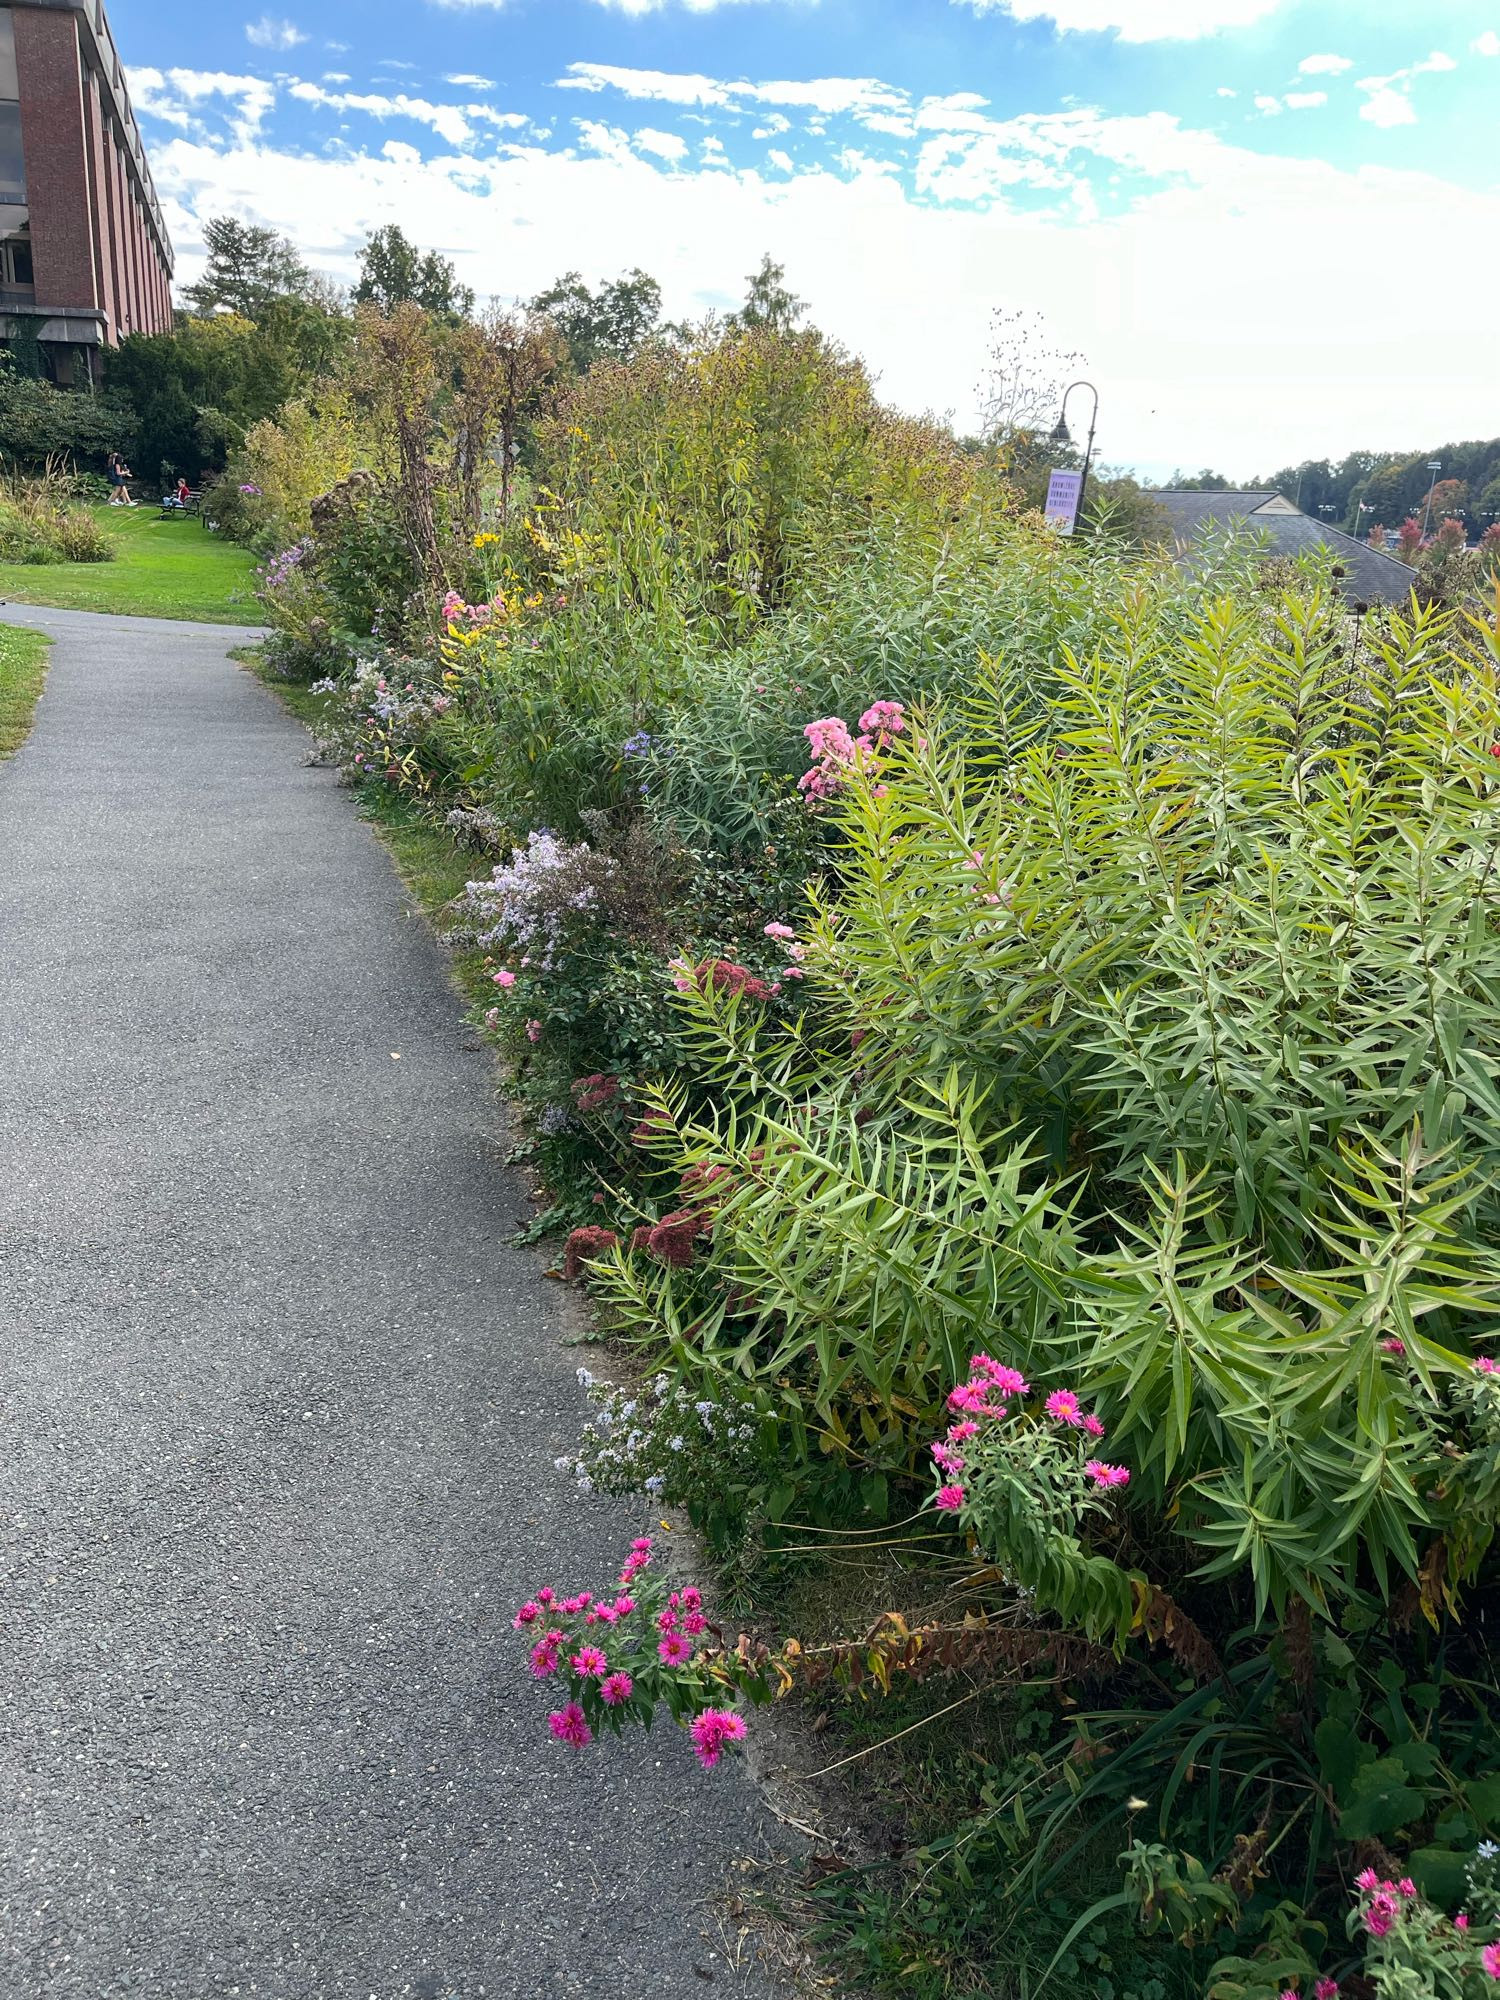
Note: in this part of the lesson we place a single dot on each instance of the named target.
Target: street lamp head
(1060, 433)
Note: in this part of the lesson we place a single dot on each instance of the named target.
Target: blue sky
(1268, 225)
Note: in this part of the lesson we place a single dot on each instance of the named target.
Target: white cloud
(1324, 65)
(462, 82)
(664, 145)
(447, 120)
(1268, 106)
(335, 76)
(1437, 62)
(1224, 91)
(1487, 44)
(1135, 20)
(780, 159)
(1304, 100)
(1384, 106)
(270, 33)
(179, 96)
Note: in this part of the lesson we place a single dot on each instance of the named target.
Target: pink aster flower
(968, 1396)
(949, 1499)
(1485, 1366)
(711, 1730)
(692, 1598)
(547, 1595)
(545, 1655)
(1092, 1425)
(958, 1432)
(948, 1459)
(693, 1623)
(675, 1648)
(1367, 1879)
(666, 1621)
(1393, 1346)
(573, 1605)
(1461, 1921)
(616, 1688)
(590, 1662)
(1107, 1475)
(527, 1615)
(1406, 1887)
(1489, 1958)
(1326, 1989)
(568, 1726)
(1065, 1406)
(623, 1606)
(505, 978)
(1009, 1381)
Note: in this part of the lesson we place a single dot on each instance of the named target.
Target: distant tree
(394, 272)
(1206, 481)
(249, 268)
(610, 324)
(1451, 535)
(1409, 538)
(768, 303)
(1449, 496)
(1120, 507)
(1022, 390)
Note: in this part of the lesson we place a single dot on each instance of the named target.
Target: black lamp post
(1062, 435)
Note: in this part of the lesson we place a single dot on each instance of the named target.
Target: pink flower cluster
(1383, 1902)
(711, 1730)
(455, 609)
(981, 1397)
(646, 1657)
(837, 753)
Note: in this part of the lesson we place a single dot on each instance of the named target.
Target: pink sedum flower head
(568, 1726)
(783, 931)
(949, 1499)
(616, 1688)
(883, 718)
(711, 1730)
(1065, 1407)
(675, 1648)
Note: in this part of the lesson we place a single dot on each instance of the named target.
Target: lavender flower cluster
(662, 1439)
(529, 901)
(281, 567)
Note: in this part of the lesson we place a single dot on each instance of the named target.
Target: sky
(1269, 226)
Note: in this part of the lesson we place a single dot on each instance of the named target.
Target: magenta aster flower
(1107, 1475)
(527, 1615)
(616, 1688)
(569, 1726)
(1093, 1426)
(1065, 1406)
(949, 1499)
(675, 1648)
(589, 1661)
(711, 1730)
(1489, 1958)
(1326, 1989)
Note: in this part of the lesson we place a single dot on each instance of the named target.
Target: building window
(12, 161)
(15, 260)
(10, 88)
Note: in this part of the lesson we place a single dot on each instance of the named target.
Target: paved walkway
(278, 1411)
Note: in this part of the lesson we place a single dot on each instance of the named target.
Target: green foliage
(40, 524)
(42, 426)
(249, 270)
(611, 324)
(394, 272)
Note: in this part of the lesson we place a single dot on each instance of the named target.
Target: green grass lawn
(162, 569)
(23, 666)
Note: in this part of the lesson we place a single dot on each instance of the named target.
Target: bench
(172, 507)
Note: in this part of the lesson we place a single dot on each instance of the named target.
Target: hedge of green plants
(1010, 1029)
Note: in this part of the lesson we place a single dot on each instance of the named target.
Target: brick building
(84, 253)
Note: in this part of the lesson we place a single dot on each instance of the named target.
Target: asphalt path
(279, 1406)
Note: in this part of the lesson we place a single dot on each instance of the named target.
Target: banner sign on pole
(1063, 491)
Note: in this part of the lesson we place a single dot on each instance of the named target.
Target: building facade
(84, 254)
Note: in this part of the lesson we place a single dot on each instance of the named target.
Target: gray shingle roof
(1370, 574)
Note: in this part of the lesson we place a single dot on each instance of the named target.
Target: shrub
(39, 523)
